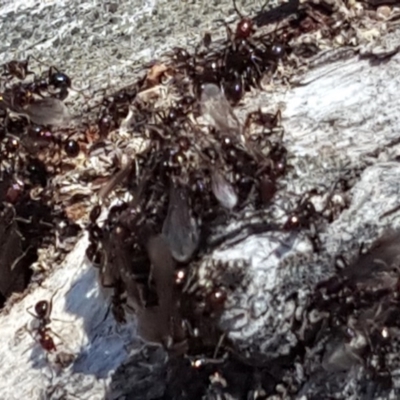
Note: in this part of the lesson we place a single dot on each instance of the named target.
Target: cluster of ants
(192, 176)
(31, 110)
(359, 325)
(201, 169)
(30, 107)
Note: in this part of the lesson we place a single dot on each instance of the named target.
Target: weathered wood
(341, 117)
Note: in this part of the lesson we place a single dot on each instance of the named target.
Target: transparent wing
(48, 111)
(217, 110)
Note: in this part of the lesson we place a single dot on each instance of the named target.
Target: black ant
(303, 214)
(11, 146)
(113, 109)
(37, 172)
(268, 121)
(41, 133)
(42, 313)
(246, 58)
(183, 60)
(56, 79)
(72, 148)
(267, 188)
(93, 251)
(117, 303)
(105, 123)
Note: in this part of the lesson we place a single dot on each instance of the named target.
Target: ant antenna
(237, 10)
(263, 7)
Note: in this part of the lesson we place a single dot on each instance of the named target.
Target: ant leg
(249, 121)
(18, 259)
(198, 362)
(31, 313)
(27, 63)
(229, 31)
(25, 328)
(219, 344)
(48, 329)
(390, 212)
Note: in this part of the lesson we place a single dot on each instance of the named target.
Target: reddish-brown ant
(246, 58)
(42, 313)
(245, 27)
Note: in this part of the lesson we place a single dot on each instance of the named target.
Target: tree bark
(341, 118)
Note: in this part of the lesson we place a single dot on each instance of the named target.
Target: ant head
(293, 222)
(245, 27)
(42, 309)
(59, 79)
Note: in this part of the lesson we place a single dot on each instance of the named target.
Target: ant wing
(160, 324)
(223, 190)
(47, 111)
(14, 273)
(162, 269)
(115, 180)
(113, 260)
(180, 228)
(6, 101)
(217, 110)
(379, 264)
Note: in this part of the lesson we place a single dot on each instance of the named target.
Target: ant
(245, 27)
(303, 214)
(17, 69)
(56, 79)
(93, 252)
(303, 217)
(246, 57)
(42, 313)
(270, 123)
(117, 303)
(41, 133)
(114, 108)
(72, 148)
